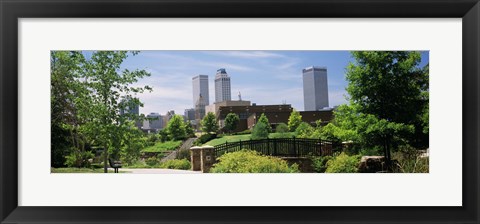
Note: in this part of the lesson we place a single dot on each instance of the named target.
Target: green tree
(107, 87)
(231, 121)
(366, 130)
(263, 119)
(189, 129)
(176, 128)
(304, 130)
(390, 85)
(66, 67)
(260, 131)
(163, 135)
(209, 123)
(294, 120)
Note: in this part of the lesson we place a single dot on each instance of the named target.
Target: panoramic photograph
(262, 111)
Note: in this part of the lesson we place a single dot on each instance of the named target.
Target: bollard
(195, 158)
(207, 155)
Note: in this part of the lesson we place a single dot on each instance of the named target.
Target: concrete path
(158, 171)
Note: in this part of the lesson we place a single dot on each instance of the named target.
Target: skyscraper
(200, 87)
(129, 106)
(222, 86)
(155, 122)
(315, 88)
(199, 110)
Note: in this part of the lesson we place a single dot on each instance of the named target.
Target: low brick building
(276, 114)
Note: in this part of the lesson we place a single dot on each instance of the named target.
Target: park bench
(115, 165)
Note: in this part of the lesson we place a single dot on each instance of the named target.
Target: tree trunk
(105, 159)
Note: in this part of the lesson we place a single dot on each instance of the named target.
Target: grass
(79, 170)
(163, 146)
(236, 138)
(229, 138)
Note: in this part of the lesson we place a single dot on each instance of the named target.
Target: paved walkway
(159, 171)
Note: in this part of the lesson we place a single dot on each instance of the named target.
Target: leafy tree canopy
(294, 120)
(391, 85)
(263, 119)
(176, 128)
(260, 131)
(231, 121)
(209, 123)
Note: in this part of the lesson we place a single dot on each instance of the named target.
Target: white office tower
(315, 88)
(200, 87)
(222, 86)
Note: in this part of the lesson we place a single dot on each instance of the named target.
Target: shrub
(281, 128)
(204, 139)
(246, 132)
(371, 151)
(320, 163)
(152, 161)
(246, 161)
(183, 154)
(163, 135)
(304, 130)
(282, 135)
(263, 119)
(260, 131)
(78, 158)
(409, 160)
(343, 163)
(179, 164)
(153, 138)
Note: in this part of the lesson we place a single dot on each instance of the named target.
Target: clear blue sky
(263, 77)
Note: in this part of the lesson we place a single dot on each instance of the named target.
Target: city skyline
(262, 77)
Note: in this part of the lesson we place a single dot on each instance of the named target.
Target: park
(384, 127)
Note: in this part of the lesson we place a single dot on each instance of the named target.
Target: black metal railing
(282, 147)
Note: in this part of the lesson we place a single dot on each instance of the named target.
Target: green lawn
(236, 138)
(229, 138)
(79, 170)
(163, 146)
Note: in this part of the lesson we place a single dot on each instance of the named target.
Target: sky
(262, 77)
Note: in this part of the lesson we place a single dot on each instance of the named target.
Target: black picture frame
(11, 11)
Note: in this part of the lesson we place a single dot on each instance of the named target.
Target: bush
(246, 132)
(343, 163)
(260, 131)
(281, 128)
(179, 164)
(320, 163)
(304, 130)
(282, 135)
(183, 154)
(246, 161)
(371, 151)
(153, 138)
(78, 158)
(152, 161)
(204, 139)
(409, 160)
(163, 135)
